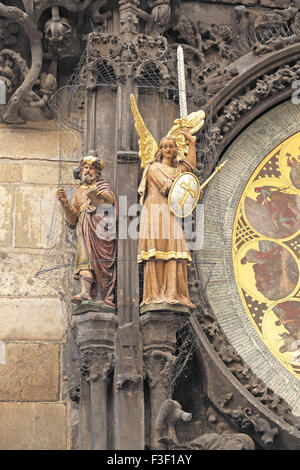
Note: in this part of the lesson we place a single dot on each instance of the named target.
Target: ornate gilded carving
(147, 144)
(269, 253)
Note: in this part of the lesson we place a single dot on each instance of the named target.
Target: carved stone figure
(8, 33)
(169, 414)
(213, 441)
(57, 30)
(96, 244)
(13, 70)
(165, 271)
(158, 18)
(162, 246)
(243, 28)
(96, 11)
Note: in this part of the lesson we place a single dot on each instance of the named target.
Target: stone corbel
(159, 369)
(96, 363)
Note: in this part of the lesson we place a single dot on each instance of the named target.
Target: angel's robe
(95, 252)
(162, 244)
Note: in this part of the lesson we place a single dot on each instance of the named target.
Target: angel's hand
(189, 137)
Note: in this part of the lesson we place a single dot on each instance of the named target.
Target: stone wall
(34, 413)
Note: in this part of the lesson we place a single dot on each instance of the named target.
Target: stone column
(159, 339)
(128, 389)
(128, 18)
(94, 334)
(96, 364)
(128, 386)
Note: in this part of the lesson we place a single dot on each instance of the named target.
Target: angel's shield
(184, 194)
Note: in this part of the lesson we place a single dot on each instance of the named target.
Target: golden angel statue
(162, 245)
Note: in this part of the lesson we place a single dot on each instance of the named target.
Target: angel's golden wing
(193, 123)
(147, 144)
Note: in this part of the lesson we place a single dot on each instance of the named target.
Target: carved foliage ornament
(227, 118)
(57, 31)
(109, 58)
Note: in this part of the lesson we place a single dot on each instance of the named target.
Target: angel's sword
(181, 83)
(183, 103)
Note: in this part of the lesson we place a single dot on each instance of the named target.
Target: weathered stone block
(33, 426)
(32, 142)
(34, 212)
(18, 276)
(30, 373)
(10, 173)
(67, 172)
(40, 173)
(6, 208)
(31, 319)
(275, 3)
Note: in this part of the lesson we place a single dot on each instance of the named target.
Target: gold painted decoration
(266, 252)
(184, 194)
(193, 123)
(89, 159)
(147, 144)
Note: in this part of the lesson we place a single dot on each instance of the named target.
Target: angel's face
(168, 149)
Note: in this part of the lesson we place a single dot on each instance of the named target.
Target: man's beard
(88, 179)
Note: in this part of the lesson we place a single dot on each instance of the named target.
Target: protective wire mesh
(150, 76)
(69, 103)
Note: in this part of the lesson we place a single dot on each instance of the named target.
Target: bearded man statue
(95, 263)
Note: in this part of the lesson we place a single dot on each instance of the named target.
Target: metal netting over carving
(70, 104)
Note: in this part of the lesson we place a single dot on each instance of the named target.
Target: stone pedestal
(94, 335)
(159, 339)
